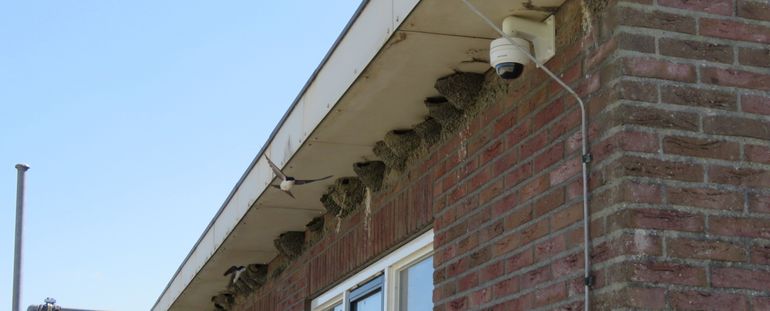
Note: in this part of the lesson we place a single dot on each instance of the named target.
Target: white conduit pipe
(585, 156)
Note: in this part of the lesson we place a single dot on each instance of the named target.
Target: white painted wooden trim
(416, 249)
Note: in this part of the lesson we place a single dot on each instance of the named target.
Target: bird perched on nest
(234, 272)
(287, 182)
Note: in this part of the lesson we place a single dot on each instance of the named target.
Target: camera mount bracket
(541, 34)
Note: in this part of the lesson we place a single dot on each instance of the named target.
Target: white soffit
(349, 104)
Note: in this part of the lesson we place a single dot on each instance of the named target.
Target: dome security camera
(508, 58)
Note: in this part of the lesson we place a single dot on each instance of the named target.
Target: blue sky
(137, 118)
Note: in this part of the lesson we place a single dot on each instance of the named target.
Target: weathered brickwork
(679, 113)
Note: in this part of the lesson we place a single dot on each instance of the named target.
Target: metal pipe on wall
(585, 157)
(21, 170)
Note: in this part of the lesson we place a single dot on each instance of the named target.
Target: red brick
(570, 264)
(760, 254)
(533, 145)
(658, 219)
(492, 271)
(708, 51)
(759, 203)
(535, 277)
(550, 294)
(504, 122)
(507, 244)
(549, 157)
(759, 154)
(715, 250)
(656, 118)
(491, 191)
(638, 91)
(743, 227)
(656, 20)
(740, 278)
(518, 175)
(534, 187)
(480, 297)
(736, 126)
(667, 273)
(754, 9)
(736, 78)
(549, 202)
(636, 42)
(635, 166)
(647, 298)
(693, 300)
(740, 176)
(730, 29)
(755, 104)
(518, 217)
(519, 261)
(761, 303)
(535, 231)
(458, 304)
(706, 198)
(703, 148)
(491, 151)
(566, 217)
(518, 134)
(548, 114)
(505, 162)
(546, 250)
(754, 57)
(468, 281)
(690, 96)
(506, 287)
(564, 171)
(721, 7)
(659, 69)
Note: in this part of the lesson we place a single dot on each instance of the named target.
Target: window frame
(387, 267)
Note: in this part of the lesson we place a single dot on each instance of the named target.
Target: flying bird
(234, 272)
(287, 182)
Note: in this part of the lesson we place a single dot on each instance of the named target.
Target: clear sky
(137, 118)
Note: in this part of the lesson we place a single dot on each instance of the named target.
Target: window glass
(417, 286)
(372, 302)
(368, 297)
(338, 307)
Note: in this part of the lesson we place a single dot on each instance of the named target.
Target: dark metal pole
(21, 170)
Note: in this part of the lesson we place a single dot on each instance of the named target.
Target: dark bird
(234, 272)
(287, 182)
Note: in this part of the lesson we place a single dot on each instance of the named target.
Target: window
(401, 281)
(416, 282)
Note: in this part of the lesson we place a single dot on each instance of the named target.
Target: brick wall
(679, 113)
(680, 199)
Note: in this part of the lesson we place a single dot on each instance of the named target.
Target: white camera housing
(509, 59)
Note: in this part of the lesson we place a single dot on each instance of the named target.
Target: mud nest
(402, 142)
(348, 193)
(429, 132)
(391, 159)
(330, 205)
(290, 244)
(315, 225)
(493, 89)
(461, 89)
(370, 173)
(223, 301)
(256, 273)
(447, 115)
